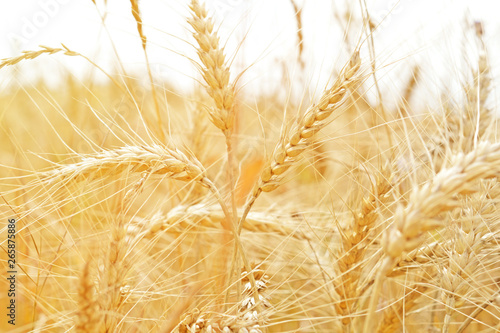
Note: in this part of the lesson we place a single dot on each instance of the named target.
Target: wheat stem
(136, 13)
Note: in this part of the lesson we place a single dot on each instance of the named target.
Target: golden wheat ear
(88, 317)
(155, 159)
(195, 217)
(215, 70)
(427, 203)
(351, 259)
(301, 136)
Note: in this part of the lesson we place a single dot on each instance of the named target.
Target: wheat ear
(300, 33)
(250, 317)
(88, 318)
(427, 202)
(215, 70)
(413, 80)
(354, 247)
(428, 254)
(393, 315)
(155, 159)
(477, 94)
(118, 263)
(29, 55)
(192, 321)
(438, 196)
(301, 137)
(458, 274)
(183, 218)
(470, 125)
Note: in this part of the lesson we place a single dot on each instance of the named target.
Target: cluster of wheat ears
(140, 212)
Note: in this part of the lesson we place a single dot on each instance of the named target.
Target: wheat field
(142, 207)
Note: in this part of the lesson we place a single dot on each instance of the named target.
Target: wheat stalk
(136, 13)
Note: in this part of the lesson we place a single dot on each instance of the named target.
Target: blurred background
(259, 36)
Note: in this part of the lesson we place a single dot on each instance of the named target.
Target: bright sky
(425, 32)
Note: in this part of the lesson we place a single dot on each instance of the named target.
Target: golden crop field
(131, 205)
